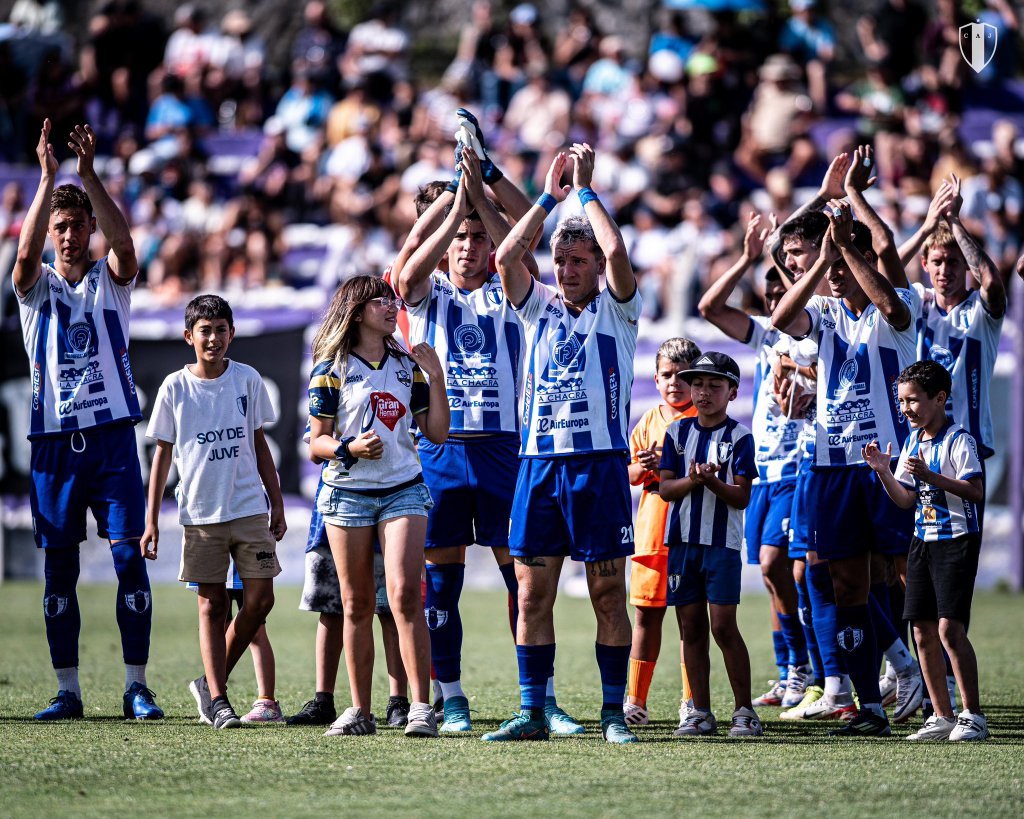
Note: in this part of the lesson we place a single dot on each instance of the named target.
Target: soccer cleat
(225, 717)
(66, 705)
(698, 723)
(935, 727)
(745, 724)
(559, 722)
(138, 703)
(204, 702)
(811, 696)
(969, 728)
(865, 724)
(614, 729)
(773, 696)
(456, 715)
(635, 714)
(397, 714)
(265, 712)
(887, 685)
(352, 723)
(829, 707)
(520, 728)
(422, 721)
(797, 679)
(314, 712)
(909, 693)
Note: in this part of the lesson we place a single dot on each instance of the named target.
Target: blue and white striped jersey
(859, 360)
(579, 373)
(954, 454)
(965, 341)
(775, 435)
(479, 340)
(701, 516)
(76, 337)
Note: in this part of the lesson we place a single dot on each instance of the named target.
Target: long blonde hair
(339, 330)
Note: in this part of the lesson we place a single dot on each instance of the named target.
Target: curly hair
(70, 197)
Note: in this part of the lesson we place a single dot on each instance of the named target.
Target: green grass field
(104, 766)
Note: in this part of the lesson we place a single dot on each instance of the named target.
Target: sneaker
(635, 714)
(935, 727)
(520, 727)
(969, 728)
(66, 705)
(204, 702)
(422, 721)
(887, 685)
(456, 715)
(745, 723)
(352, 723)
(225, 717)
(797, 679)
(865, 724)
(559, 722)
(265, 711)
(774, 694)
(614, 730)
(830, 707)
(139, 704)
(811, 696)
(909, 693)
(397, 714)
(698, 723)
(314, 712)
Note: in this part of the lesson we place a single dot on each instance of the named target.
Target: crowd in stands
(237, 172)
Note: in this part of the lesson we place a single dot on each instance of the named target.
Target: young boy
(707, 466)
(213, 413)
(939, 472)
(649, 572)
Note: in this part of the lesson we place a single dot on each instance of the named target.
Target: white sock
(437, 690)
(134, 674)
(550, 692)
(899, 655)
(890, 672)
(874, 707)
(837, 687)
(67, 680)
(452, 689)
(951, 686)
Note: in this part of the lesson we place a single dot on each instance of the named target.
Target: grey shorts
(320, 590)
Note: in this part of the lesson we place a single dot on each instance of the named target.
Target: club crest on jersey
(384, 407)
(404, 377)
(54, 606)
(495, 295)
(79, 337)
(850, 638)
(242, 402)
(564, 352)
(978, 43)
(436, 618)
(673, 582)
(848, 374)
(137, 601)
(940, 355)
(469, 342)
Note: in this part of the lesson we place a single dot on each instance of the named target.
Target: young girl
(363, 395)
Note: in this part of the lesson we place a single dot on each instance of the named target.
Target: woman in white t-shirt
(364, 392)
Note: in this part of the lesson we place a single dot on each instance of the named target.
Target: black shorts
(940, 578)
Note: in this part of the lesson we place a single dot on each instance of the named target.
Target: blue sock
(823, 602)
(781, 654)
(536, 664)
(134, 601)
(806, 614)
(60, 605)
(508, 574)
(793, 634)
(856, 637)
(444, 588)
(613, 664)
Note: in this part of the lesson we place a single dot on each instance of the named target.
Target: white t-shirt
(777, 453)
(212, 424)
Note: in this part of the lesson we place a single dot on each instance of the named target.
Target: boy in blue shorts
(707, 466)
(939, 472)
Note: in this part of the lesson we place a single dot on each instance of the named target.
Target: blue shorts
(472, 482)
(103, 475)
(577, 506)
(852, 514)
(767, 517)
(703, 574)
(341, 507)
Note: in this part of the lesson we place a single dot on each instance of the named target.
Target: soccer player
(74, 318)
(572, 491)
(866, 332)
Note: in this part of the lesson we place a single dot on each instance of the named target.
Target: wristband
(342, 453)
(453, 186)
(491, 171)
(587, 195)
(547, 201)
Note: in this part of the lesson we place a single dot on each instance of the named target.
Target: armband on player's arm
(342, 453)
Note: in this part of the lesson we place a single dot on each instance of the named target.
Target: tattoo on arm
(603, 568)
(530, 561)
(974, 255)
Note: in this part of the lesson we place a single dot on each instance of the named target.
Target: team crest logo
(850, 638)
(673, 582)
(137, 601)
(385, 407)
(242, 402)
(978, 43)
(54, 606)
(848, 374)
(565, 351)
(435, 618)
(940, 355)
(79, 339)
(404, 377)
(469, 339)
(721, 452)
(495, 295)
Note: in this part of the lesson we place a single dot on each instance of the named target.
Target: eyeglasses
(387, 302)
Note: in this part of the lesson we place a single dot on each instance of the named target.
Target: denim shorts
(341, 507)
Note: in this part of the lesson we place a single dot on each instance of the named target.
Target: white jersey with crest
(966, 342)
(578, 373)
(859, 360)
(76, 337)
(777, 454)
(479, 340)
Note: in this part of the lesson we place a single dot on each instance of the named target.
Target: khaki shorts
(207, 548)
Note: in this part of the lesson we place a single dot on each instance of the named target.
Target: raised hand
(875, 458)
(44, 151)
(956, 202)
(858, 177)
(583, 170)
(832, 186)
(83, 142)
(553, 181)
(939, 206)
(840, 217)
(472, 175)
(754, 237)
